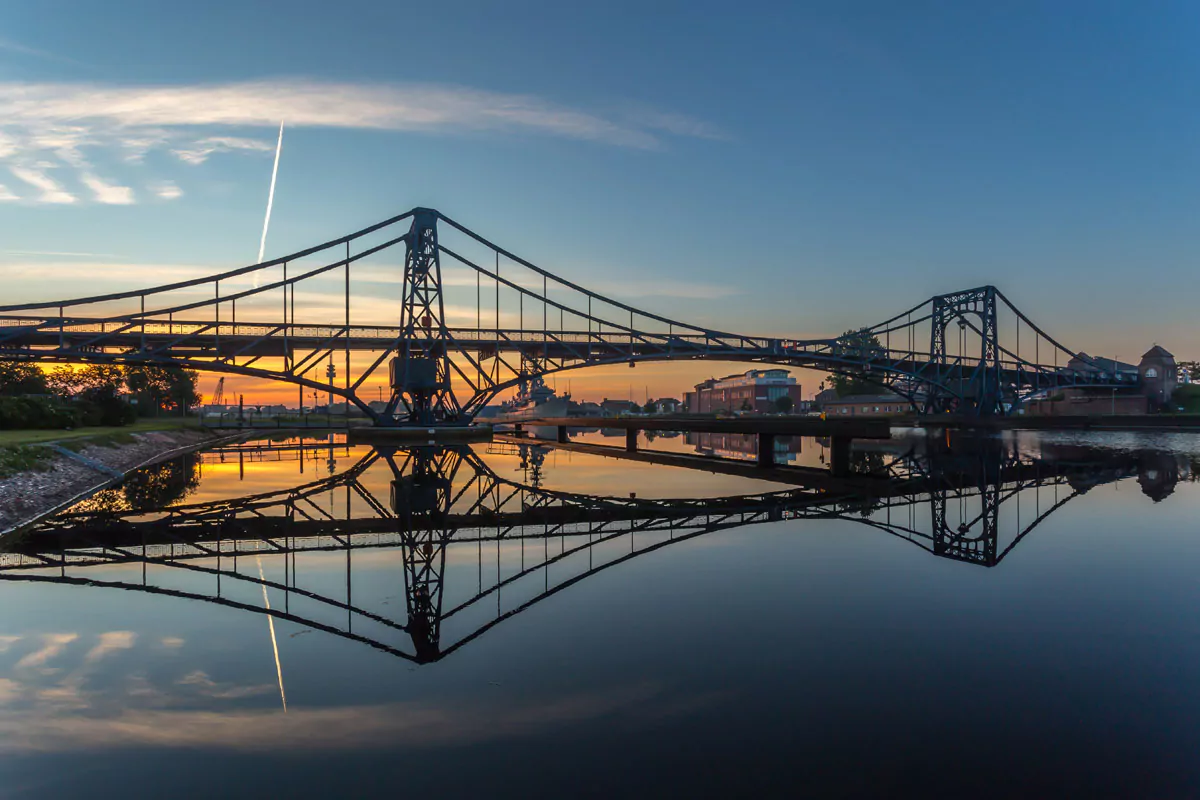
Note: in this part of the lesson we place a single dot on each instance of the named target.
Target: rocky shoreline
(28, 495)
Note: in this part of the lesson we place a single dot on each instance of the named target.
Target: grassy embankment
(141, 426)
(21, 451)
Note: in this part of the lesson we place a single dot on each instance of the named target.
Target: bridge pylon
(975, 378)
(420, 370)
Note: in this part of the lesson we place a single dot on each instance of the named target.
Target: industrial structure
(970, 353)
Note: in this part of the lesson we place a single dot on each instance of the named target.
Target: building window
(866, 409)
(1151, 372)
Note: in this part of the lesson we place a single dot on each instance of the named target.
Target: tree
(63, 381)
(860, 345)
(162, 484)
(162, 387)
(98, 377)
(784, 404)
(21, 379)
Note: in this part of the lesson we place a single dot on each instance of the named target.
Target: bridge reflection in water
(476, 548)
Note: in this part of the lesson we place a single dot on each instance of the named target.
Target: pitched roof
(1157, 352)
(1104, 364)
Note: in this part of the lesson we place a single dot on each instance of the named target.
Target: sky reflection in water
(813, 649)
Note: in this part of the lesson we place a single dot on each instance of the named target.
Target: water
(1018, 618)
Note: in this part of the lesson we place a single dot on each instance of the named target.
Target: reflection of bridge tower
(421, 501)
(972, 539)
(532, 459)
(420, 372)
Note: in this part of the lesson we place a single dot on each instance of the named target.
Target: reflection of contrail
(271, 624)
(262, 244)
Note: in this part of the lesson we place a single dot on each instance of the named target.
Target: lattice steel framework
(527, 322)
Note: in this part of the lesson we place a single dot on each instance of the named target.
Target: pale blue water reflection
(601, 644)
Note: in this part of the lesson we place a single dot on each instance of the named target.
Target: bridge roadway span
(218, 344)
(970, 351)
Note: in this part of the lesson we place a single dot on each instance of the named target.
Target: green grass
(141, 426)
(22, 458)
(114, 439)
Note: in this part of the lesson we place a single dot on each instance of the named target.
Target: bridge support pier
(562, 437)
(839, 456)
(631, 437)
(766, 449)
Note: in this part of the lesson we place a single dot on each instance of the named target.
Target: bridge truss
(461, 320)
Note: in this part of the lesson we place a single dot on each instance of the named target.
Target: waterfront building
(867, 405)
(664, 405)
(1160, 376)
(755, 390)
(1157, 376)
(1106, 367)
(612, 408)
(1073, 401)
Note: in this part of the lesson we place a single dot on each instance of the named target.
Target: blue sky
(785, 168)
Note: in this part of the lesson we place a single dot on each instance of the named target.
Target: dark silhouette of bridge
(969, 352)
(947, 503)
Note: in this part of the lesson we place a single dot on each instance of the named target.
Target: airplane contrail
(262, 244)
(271, 625)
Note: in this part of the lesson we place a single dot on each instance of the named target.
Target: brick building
(1082, 402)
(755, 390)
(1160, 376)
(1157, 373)
(866, 405)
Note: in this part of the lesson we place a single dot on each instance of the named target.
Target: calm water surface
(1004, 618)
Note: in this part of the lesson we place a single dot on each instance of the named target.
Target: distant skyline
(791, 169)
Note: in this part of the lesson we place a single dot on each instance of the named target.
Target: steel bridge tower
(978, 391)
(420, 372)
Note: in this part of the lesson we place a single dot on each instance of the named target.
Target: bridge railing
(528, 321)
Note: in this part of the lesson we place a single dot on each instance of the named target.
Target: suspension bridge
(514, 543)
(476, 319)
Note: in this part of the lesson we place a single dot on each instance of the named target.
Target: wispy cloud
(110, 641)
(54, 253)
(406, 107)
(51, 190)
(57, 123)
(167, 190)
(8, 45)
(199, 152)
(52, 645)
(687, 290)
(7, 194)
(106, 192)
